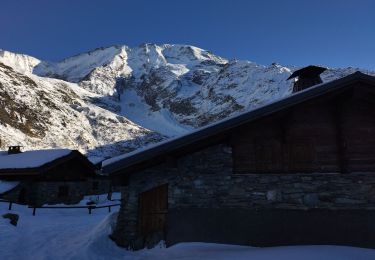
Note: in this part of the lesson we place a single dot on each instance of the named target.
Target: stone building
(300, 170)
(49, 176)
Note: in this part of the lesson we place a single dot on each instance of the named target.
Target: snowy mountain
(117, 99)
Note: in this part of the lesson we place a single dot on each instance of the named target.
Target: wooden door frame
(141, 210)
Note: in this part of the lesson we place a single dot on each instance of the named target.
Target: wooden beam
(340, 134)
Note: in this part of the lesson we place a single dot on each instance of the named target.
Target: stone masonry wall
(39, 193)
(205, 180)
(47, 192)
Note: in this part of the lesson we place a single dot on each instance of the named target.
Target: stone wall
(39, 193)
(205, 180)
(48, 192)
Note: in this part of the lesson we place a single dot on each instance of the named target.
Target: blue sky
(331, 32)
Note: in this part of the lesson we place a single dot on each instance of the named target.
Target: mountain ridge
(116, 99)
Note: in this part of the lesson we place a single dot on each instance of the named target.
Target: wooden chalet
(300, 170)
(48, 176)
(47, 165)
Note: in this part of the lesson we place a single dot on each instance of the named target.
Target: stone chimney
(306, 77)
(14, 149)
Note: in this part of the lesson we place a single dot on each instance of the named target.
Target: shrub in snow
(13, 218)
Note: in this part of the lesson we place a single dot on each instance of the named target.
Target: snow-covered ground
(221, 252)
(74, 234)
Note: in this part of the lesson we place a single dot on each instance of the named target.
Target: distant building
(300, 170)
(49, 176)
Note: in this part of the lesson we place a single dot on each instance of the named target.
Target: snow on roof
(7, 186)
(31, 159)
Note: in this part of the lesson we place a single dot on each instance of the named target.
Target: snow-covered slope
(46, 113)
(116, 99)
(19, 62)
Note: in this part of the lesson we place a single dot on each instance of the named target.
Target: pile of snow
(225, 252)
(31, 159)
(58, 234)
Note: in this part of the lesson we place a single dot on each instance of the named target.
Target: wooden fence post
(34, 210)
(109, 208)
(10, 205)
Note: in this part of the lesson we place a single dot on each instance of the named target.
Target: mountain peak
(115, 99)
(21, 63)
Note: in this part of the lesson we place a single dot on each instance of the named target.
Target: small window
(95, 185)
(63, 191)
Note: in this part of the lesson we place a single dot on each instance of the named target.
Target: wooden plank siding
(359, 127)
(153, 209)
(329, 134)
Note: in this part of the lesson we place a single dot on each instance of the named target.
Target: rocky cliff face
(117, 99)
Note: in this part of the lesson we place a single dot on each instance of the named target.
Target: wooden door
(153, 208)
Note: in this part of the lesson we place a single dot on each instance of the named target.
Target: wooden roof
(25, 172)
(210, 134)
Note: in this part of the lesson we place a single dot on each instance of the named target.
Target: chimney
(306, 77)
(14, 149)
